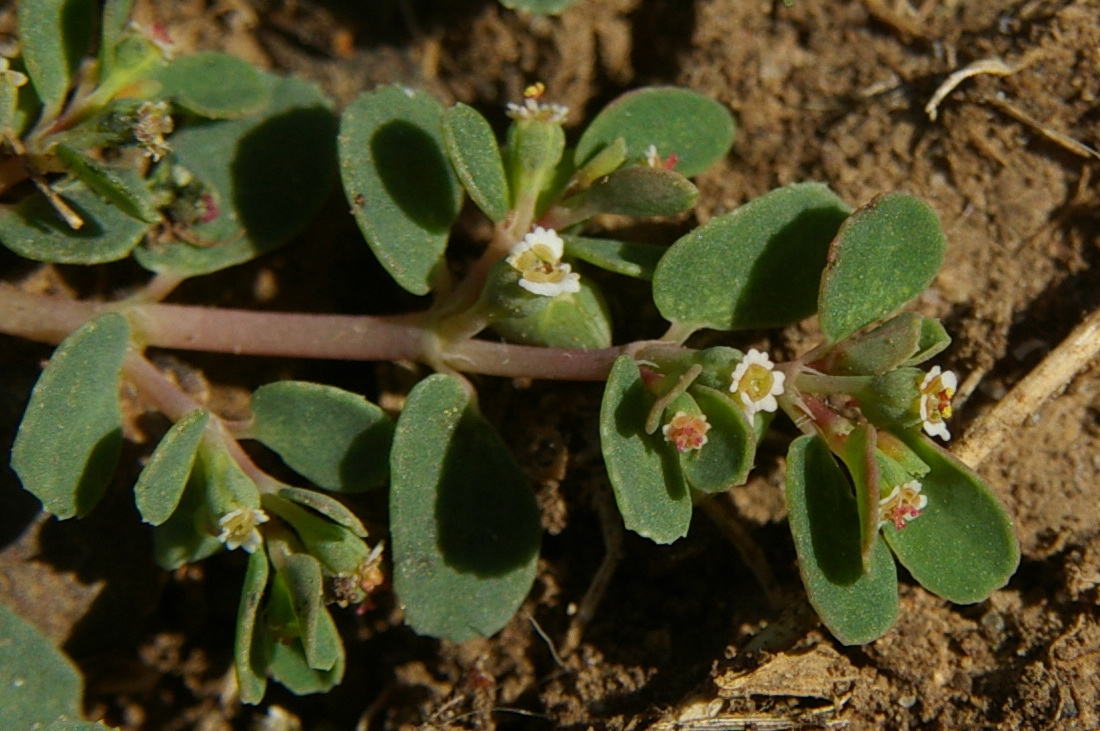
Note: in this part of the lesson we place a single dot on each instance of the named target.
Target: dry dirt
(830, 91)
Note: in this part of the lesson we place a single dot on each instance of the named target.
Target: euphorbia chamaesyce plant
(865, 483)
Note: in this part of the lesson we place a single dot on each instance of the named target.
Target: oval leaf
(120, 187)
(248, 649)
(570, 320)
(475, 155)
(643, 469)
(37, 682)
(71, 435)
(34, 230)
(401, 188)
(857, 606)
(886, 254)
(214, 85)
(628, 258)
(161, 484)
(336, 439)
(758, 266)
(638, 190)
(289, 666)
(269, 175)
(681, 122)
(726, 458)
(55, 36)
(304, 583)
(962, 547)
(463, 518)
(326, 506)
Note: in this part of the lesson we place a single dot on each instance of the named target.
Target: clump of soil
(833, 92)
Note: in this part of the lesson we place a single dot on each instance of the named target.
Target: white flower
(686, 432)
(532, 108)
(239, 528)
(936, 391)
(538, 259)
(756, 383)
(652, 158)
(904, 503)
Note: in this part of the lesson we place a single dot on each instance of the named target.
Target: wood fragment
(990, 66)
(1059, 138)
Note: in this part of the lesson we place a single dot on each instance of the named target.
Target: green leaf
(116, 16)
(326, 506)
(857, 606)
(628, 258)
(248, 648)
(726, 458)
(214, 85)
(336, 439)
(122, 188)
(886, 254)
(681, 122)
(474, 152)
(33, 229)
(643, 469)
(878, 351)
(638, 190)
(755, 267)
(269, 175)
(189, 534)
(55, 35)
(539, 7)
(340, 550)
(37, 682)
(302, 574)
(463, 519)
(570, 320)
(71, 435)
(164, 478)
(962, 547)
(403, 191)
(288, 666)
(863, 468)
(933, 340)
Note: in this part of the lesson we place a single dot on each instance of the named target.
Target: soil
(686, 637)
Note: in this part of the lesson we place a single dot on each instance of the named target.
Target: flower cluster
(239, 529)
(538, 260)
(654, 159)
(755, 383)
(687, 432)
(936, 390)
(532, 108)
(904, 503)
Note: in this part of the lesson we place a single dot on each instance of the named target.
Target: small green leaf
(269, 174)
(189, 535)
(857, 606)
(336, 439)
(886, 254)
(638, 190)
(248, 648)
(604, 162)
(326, 506)
(288, 665)
(863, 467)
(55, 35)
(758, 266)
(214, 85)
(162, 482)
(37, 682)
(476, 157)
(681, 122)
(463, 518)
(539, 7)
(116, 16)
(726, 458)
(643, 469)
(962, 546)
(403, 191)
(122, 188)
(628, 258)
(71, 435)
(32, 228)
(933, 340)
(302, 574)
(340, 550)
(570, 320)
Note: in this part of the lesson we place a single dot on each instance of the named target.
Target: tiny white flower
(756, 383)
(903, 504)
(686, 432)
(538, 260)
(239, 528)
(652, 158)
(936, 391)
(532, 108)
